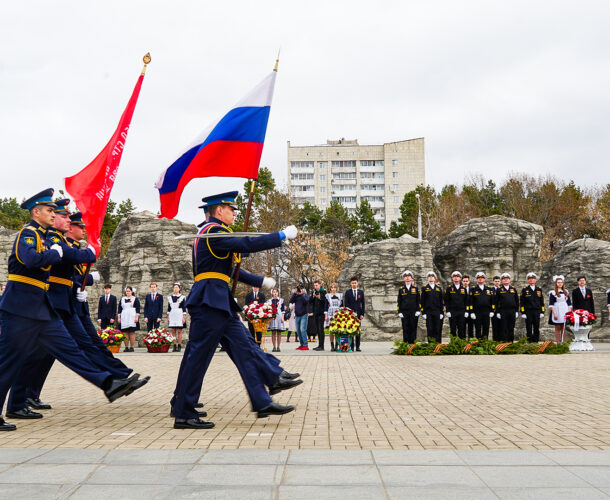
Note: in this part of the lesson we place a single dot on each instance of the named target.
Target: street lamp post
(418, 216)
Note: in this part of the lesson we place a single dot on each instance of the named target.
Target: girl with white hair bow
(559, 305)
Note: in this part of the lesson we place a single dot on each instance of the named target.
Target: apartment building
(347, 172)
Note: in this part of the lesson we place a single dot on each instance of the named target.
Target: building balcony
(302, 182)
(344, 182)
(375, 168)
(301, 194)
(302, 170)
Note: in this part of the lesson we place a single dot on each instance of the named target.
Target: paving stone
(362, 492)
(579, 457)
(122, 491)
(417, 457)
(17, 456)
(308, 475)
(235, 475)
(70, 456)
(127, 457)
(440, 493)
(140, 474)
(529, 477)
(30, 491)
(424, 476)
(550, 494)
(594, 475)
(330, 457)
(247, 457)
(47, 473)
(504, 457)
(223, 492)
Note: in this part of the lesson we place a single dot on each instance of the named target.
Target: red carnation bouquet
(580, 317)
(256, 311)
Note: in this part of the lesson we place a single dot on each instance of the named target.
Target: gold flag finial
(146, 60)
(277, 61)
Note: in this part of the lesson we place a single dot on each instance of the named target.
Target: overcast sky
(493, 87)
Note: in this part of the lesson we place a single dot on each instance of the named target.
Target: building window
(371, 187)
(345, 199)
(395, 187)
(344, 175)
(396, 199)
(301, 177)
(322, 201)
(394, 162)
(301, 164)
(302, 188)
(322, 177)
(396, 211)
(344, 163)
(322, 164)
(372, 198)
(344, 187)
(372, 175)
(371, 163)
(395, 175)
(322, 190)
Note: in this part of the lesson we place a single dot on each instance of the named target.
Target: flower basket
(158, 340)
(580, 318)
(158, 348)
(260, 315)
(345, 323)
(112, 338)
(260, 325)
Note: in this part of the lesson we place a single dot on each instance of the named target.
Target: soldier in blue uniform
(214, 317)
(24, 330)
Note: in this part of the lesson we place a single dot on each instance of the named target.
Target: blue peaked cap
(62, 205)
(220, 199)
(77, 219)
(43, 198)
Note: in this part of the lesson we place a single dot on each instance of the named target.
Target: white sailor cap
(407, 273)
(456, 273)
(531, 275)
(480, 274)
(505, 275)
(431, 273)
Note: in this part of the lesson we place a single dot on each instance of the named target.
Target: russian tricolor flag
(229, 147)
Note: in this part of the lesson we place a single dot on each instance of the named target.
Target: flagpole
(146, 59)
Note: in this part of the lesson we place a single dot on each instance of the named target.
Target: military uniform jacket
(506, 300)
(481, 301)
(409, 301)
(213, 261)
(61, 279)
(432, 300)
(81, 308)
(532, 300)
(28, 272)
(456, 299)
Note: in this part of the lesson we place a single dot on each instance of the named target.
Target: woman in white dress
(176, 315)
(276, 326)
(129, 317)
(559, 305)
(332, 305)
(292, 323)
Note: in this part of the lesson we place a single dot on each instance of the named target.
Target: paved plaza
(367, 425)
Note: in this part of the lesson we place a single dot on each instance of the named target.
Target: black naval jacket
(532, 300)
(432, 300)
(506, 300)
(481, 301)
(456, 299)
(409, 301)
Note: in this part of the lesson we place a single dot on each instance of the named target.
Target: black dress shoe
(5, 426)
(358, 349)
(120, 387)
(199, 405)
(282, 384)
(37, 404)
(139, 383)
(318, 348)
(23, 413)
(199, 413)
(192, 423)
(290, 376)
(274, 409)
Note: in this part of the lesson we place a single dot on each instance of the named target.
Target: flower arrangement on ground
(260, 315)
(159, 340)
(345, 323)
(111, 337)
(580, 317)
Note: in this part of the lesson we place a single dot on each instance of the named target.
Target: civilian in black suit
(106, 308)
(255, 296)
(153, 308)
(582, 297)
(354, 299)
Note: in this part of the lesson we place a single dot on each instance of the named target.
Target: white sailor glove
(448, 314)
(290, 232)
(81, 296)
(58, 249)
(524, 316)
(91, 249)
(417, 313)
(542, 315)
(491, 315)
(473, 315)
(442, 316)
(516, 315)
(400, 315)
(95, 275)
(268, 283)
(498, 316)
(425, 316)
(466, 314)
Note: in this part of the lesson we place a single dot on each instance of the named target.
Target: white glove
(466, 315)
(524, 316)
(516, 315)
(58, 249)
(442, 316)
(290, 232)
(91, 249)
(448, 315)
(498, 316)
(95, 275)
(542, 315)
(425, 316)
(491, 315)
(81, 296)
(417, 313)
(268, 283)
(400, 315)
(473, 315)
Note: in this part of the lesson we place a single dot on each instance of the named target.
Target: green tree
(12, 216)
(114, 215)
(407, 222)
(337, 222)
(367, 228)
(309, 217)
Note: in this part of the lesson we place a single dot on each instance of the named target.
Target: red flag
(90, 188)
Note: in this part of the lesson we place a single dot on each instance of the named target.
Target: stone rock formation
(588, 257)
(494, 244)
(378, 266)
(7, 238)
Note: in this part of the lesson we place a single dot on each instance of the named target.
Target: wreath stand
(260, 326)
